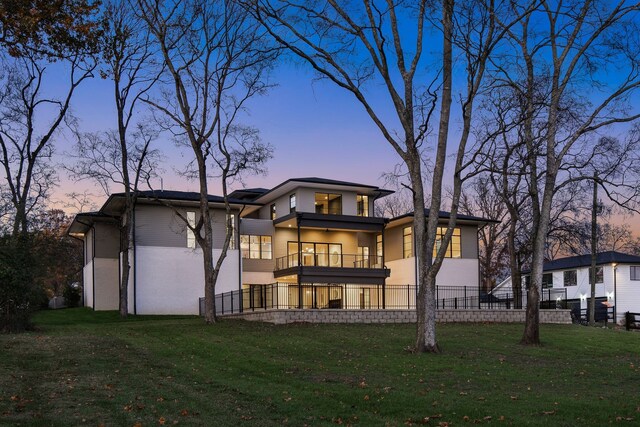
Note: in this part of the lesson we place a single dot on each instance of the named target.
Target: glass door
(335, 255)
(308, 254)
(322, 254)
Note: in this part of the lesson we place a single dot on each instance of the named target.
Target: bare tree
(30, 120)
(572, 46)
(216, 59)
(123, 156)
(481, 199)
(355, 44)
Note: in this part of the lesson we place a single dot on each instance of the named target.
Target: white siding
(87, 283)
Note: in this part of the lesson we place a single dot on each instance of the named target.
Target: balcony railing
(310, 259)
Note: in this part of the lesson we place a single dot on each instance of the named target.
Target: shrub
(20, 295)
(71, 295)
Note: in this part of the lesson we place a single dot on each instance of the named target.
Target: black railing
(309, 259)
(602, 314)
(631, 320)
(281, 296)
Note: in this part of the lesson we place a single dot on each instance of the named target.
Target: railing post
(231, 302)
(465, 297)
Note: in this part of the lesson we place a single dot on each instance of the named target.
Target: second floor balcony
(329, 260)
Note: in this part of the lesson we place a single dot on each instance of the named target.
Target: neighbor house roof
(578, 261)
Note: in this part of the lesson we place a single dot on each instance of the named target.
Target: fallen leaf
(548, 412)
(184, 412)
(161, 421)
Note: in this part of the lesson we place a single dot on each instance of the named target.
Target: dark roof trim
(188, 196)
(315, 180)
(447, 215)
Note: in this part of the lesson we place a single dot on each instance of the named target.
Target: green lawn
(91, 368)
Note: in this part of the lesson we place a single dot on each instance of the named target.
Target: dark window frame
(272, 211)
(259, 250)
(292, 203)
(634, 269)
(564, 278)
(362, 205)
(407, 252)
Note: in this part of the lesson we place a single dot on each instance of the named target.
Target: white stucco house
(617, 281)
(306, 243)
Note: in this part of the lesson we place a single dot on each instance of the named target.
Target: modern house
(306, 243)
(617, 281)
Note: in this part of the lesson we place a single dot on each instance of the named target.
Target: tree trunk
(594, 250)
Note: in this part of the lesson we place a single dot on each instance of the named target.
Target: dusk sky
(315, 128)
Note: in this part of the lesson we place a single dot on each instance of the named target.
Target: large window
(547, 281)
(571, 278)
(407, 243)
(292, 203)
(379, 248)
(191, 237)
(599, 275)
(362, 203)
(454, 249)
(635, 272)
(272, 211)
(327, 203)
(315, 254)
(255, 247)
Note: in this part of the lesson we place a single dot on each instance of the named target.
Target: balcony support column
(384, 279)
(299, 263)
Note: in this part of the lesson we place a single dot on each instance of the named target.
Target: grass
(86, 368)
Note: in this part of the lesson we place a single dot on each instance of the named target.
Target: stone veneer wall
(281, 317)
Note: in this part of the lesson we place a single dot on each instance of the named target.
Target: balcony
(330, 268)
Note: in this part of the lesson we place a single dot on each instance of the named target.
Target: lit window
(191, 237)
(454, 249)
(407, 242)
(255, 247)
(362, 203)
(327, 203)
(292, 203)
(273, 211)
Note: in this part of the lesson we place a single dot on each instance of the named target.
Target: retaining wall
(281, 317)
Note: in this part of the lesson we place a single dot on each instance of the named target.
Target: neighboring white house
(306, 243)
(617, 281)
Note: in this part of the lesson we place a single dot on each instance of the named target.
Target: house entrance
(329, 296)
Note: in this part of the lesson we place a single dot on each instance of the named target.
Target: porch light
(558, 299)
(583, 297)
(610, 295)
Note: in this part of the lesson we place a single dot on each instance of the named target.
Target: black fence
(601, 314)
(632, 320)
(281, 296)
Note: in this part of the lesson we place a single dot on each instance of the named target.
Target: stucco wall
(87, 283)
(106, 283)
(171, 280)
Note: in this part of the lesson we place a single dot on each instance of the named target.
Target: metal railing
(310, 259)
(282, 296)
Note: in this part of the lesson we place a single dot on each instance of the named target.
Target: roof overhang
(84, 221)
(291, 185)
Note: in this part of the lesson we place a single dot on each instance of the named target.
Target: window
(315, 254)
(363, 257)
(454, 249)
(570, 278)
(191, 237)
(327, 203)
(635, 272)
(292, 203)
(547, 281)
(599, 275)
(272, 211)
(362, 203)
(407, 243)
(255, 247)
(379, 248)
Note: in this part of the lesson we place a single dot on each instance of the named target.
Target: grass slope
(86, 368)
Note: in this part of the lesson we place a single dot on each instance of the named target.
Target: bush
(71, 295)
(20, 295)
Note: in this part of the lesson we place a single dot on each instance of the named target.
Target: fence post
(231, 302)
(627, 320)
(465, 297)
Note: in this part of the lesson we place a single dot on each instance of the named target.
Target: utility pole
(594, 249)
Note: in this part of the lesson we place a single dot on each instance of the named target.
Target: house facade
(617, 281)
(311, 242)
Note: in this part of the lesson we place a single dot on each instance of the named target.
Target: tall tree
(124, 156)
(216, 59)
(563, 51)
(30, 120)
(355, 44)
(50, 28)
